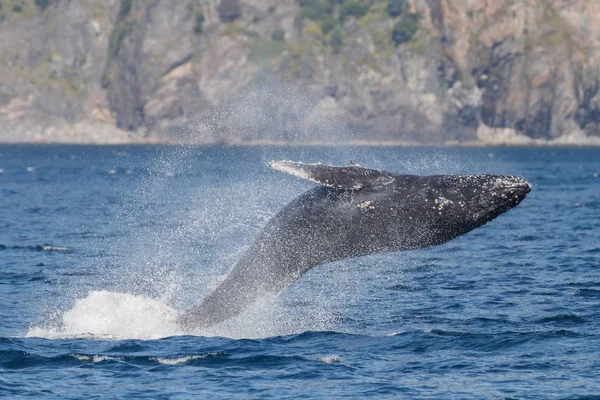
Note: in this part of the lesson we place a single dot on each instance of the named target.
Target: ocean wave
(38, 247)
(588, 292)
(182, 359)
(95, 358)
(562, 318)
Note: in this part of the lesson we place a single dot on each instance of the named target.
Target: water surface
(101, 247)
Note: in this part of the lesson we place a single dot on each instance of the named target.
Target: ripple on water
(562, 319)
(38, 247)
(587, 292)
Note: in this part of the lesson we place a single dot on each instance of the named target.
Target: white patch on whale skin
(366, 204)
(442, 202)
(289, 168)
(353, 176)
(294, 168)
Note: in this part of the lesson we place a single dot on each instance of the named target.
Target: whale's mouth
(506, 194)
(516, 191)
(507, 187)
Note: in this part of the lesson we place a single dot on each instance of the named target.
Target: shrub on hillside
(336, 40)
(353, 9)
(199, 22)
(278, 35)
(125, 8)
(328, 22)
(396, 7)
(405, 29)
(43, 4)
(315, 9)
(229, 10)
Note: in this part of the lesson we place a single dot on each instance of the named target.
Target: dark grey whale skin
(386, 213)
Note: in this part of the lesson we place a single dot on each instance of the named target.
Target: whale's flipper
(352, 177)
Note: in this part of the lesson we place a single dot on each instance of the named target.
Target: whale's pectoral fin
(351, 177)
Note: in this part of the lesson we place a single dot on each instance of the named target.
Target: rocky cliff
(235, 71)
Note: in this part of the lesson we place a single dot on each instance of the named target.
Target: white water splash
(179, 360)
(331, 359)
(334, 359)
(118, 316)
(95, 358)
(112, 315)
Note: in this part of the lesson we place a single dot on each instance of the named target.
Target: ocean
(102, 247)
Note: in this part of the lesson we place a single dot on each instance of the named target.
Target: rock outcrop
(296, 71)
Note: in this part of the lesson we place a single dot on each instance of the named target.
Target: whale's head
(379, 211)
(414, 212)
(488, 196)
(440, 208)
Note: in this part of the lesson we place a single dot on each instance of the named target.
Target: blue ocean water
(101, 247)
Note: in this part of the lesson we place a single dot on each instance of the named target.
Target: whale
(352, 212)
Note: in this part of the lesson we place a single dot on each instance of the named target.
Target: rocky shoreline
(242, 72)
(110, 135)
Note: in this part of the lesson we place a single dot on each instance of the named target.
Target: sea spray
(118, 316)
(104, 314)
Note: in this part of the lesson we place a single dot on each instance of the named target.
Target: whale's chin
(505, 199)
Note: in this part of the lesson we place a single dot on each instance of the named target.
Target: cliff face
(433, 71)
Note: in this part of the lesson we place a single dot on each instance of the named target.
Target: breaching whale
(354, 212)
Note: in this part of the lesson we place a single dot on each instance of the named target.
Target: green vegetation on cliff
(229, 10)
(395, 8)
(353, 9)
(43, 4)
(199, 22)
(405, 28)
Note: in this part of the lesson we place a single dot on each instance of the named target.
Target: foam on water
(331, 359)
(95, 358)
(179, 360)
(104, 314)
(118, 316)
